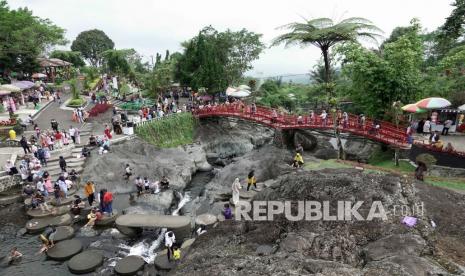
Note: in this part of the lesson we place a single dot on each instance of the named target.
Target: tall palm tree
(324, 33)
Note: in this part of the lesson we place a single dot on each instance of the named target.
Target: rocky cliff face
(378, 247)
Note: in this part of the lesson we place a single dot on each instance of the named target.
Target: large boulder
(308, 141)
(360, 149)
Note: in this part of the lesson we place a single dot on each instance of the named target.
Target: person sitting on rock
(164, 183)
(299, 149)
(298, 161)
(146, 185)
(85, 152)
(155, 187)
(14, 255)
(92, 140)
(38, 200)
(73, 175)
(93, 216)
(78, 204)
(28, 191)
(10, 168)
(47, 239)
(227, 212)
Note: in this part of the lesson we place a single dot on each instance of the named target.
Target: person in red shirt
(58, 137)
(108, 201)
(107, 132)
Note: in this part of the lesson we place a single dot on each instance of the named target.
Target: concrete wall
(7, 182)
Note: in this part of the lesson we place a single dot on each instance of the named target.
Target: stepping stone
(28, 201)
(55, 211)
(64, 250)
(63, 233)
(107, 219)
(161, 261)
(187, 243)
(10, 199)
(129, 231)
(129, 265)
(247, 194)
(64, 201)
(205, 219)
(85, 262)
(39, 224)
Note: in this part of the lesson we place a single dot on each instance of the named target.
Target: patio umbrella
(4, 92)
(20, 85)
(38, 76)
(244, 87)
(9, 87)
(28, 83)
(462, 107)
(238, 93)
(433, 103)
(413, 108)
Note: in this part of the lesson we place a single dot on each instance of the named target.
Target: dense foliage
(213, 60)
(70, 56)
(23, 37)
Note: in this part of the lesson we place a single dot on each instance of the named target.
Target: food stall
(440, 116)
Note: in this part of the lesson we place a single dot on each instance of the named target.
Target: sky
(151, 26)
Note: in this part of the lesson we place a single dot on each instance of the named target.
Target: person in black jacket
(62, 164)
(25, 145)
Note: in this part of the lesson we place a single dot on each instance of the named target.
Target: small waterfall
(146, 248)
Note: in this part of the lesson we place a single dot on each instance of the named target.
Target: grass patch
(385, 159)
(446, 183)
(76, 102)
(326, 164)
(169, 132)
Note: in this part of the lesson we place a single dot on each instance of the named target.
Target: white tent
(462, 107)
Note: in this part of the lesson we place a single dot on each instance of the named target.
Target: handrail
(387, 133)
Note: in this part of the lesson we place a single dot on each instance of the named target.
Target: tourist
(85, 152)
(73, 175)
(298, 160)
(435, 137)
(146, 184)
(176, 253)
(40, 186)
(236, 187)
(409, 133)
(155, 187)
(62, 163)
(447, 124)
(58, 139)
(50, 141)
(10, 168)
(127, 172)
(108, 201)
(89, 191)
(164, 183)
(274, 116)
(23, 170)
(227, 212)
(72, 133)
(420, 170)
(25, 145)
(57, 193)
(202, 230)
(41, 156)
(427, 127)
(54, 124)
(107, 132)
(139, 185)
(28, 191)
(78, 204)
(63, 186)
(93, 216)
(38, 200)
(299, 149)
(92, 140)
(251, 180)
(14, 255)
(345, 120)
(449, 148)
(170, 239)
(47, 239)
(65, 138)
(324, 117)
(77, 134)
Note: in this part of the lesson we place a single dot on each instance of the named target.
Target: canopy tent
(433, 103)
(38, 76)
(462, 107)
(9, 87)
(237, 93)
(23, 84)
(413, 108)
(50, 66)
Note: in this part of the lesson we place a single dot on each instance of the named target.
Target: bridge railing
(387, 132)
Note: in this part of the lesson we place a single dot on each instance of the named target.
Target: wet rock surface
(377, 247)
(85, 262)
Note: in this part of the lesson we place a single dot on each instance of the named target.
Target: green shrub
(169, 132)
(426, 158)
(76, 102)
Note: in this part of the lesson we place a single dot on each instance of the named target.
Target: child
(176, 254)
(227, 213)
(146, 184)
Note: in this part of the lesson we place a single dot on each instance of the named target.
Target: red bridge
(386, 133)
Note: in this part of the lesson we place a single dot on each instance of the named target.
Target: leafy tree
(92, 44)
(380, 78)
(24, 37)
(214, 60)
(118, 61)
(453, 28)
(167, 55)
(324, 33)
(70, 56)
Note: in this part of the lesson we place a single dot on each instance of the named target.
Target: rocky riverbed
(201, 175)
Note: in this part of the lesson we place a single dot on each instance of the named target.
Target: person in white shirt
(41, 187)
(447, 124)
(72, 133)
(324, 117)
(170, 239)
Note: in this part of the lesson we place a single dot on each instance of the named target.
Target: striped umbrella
(433, 103)
(413, 108)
